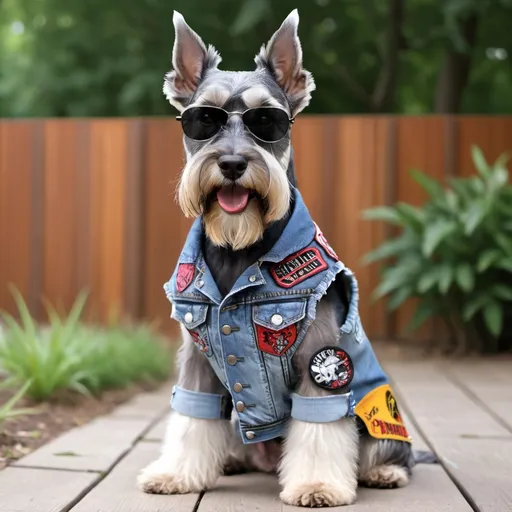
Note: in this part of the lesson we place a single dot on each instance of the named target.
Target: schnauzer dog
(275, 370)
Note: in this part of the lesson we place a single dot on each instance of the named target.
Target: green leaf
(412, 216)
(399, 297)
(474, 217)
(424, 311)
(384, 213)
(502, 291)
(465, 277)
(487, 259)
(505, 264)
(446, 275)
(393, 278)
(474, 305)
(428, 280)
(388, 249)
(430, 185)
(493, 318)
(479, 161)
(504, 242)
(435, 234)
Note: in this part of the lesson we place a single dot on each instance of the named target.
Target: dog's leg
(194, 450)
(319, 464)
(384, 464)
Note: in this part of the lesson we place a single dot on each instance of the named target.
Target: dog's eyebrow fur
(259, 96)
(216, 96)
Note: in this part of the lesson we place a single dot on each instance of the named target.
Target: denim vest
(250, 336)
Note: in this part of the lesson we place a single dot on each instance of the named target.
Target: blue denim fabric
(266, 381)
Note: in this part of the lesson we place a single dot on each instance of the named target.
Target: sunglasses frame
(291, 120)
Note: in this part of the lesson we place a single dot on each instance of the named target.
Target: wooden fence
(90, 203)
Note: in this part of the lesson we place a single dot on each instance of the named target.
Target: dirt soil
(23, 434)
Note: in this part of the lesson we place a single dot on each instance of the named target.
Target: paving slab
(42, 490)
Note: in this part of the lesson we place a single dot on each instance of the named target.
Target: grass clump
(68, 355)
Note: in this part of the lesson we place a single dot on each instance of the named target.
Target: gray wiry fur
(280, 80)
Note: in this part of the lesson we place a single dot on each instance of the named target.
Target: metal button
(240, 406)
(237, 387)
(276, 319)
(252, 278)
(189, 317)
(226, 329)
(232, 360)
(250, 435)
(199, 283)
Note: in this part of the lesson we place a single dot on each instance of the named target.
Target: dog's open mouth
(233, 198)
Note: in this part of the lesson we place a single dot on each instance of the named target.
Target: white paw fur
(192, 457)
(319, 465)
(386, 477)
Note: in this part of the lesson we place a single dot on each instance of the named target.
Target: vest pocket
(276, 325)
(193, 318)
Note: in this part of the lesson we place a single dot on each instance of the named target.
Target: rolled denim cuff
(322, 409)
(206, 406)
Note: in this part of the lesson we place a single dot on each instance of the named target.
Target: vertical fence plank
(61, 194)
(109, 150)
(165, 229)
(16, 196)
(309, 154)
(420, 146)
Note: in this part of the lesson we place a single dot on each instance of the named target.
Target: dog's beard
(265, 177)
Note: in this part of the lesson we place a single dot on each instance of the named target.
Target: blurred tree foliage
(108, 57)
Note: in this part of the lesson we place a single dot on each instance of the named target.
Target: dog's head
(237, 132)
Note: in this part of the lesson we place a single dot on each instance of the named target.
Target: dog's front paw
(318, 494)
(386, 477)
(156, 480)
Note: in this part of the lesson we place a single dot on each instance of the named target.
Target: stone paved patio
(461, 410)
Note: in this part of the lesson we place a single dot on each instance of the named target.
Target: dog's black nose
(232, 166)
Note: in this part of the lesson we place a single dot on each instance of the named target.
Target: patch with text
(331, 368)
(320, 238)
(185, 275)
(275, 343)
(298, 267)
(379, 412)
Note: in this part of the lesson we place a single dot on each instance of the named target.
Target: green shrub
(454, 254)
(69, 355)
(7, 410)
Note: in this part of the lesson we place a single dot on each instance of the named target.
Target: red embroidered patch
(320, 238)
(200, 340)
(298, 267)
(185, 275)
(275, 342)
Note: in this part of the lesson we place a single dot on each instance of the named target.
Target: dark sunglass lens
(268, 124)
(202, 123)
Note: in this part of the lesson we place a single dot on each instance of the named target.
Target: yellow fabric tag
(379, 411)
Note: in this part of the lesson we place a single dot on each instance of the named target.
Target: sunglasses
(268, 124)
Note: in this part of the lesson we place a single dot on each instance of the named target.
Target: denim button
(276, 319)
(250, 435)
(226, 329)
(232, 360)
(240, 406)
(252, 278)
(189, 317)
(237, 387)
(199, 283)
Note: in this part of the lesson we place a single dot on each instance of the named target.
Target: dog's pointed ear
(190, 60)
(282, 56)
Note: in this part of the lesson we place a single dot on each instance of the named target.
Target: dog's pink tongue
(233, 198)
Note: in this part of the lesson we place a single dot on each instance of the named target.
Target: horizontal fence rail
(89, 204)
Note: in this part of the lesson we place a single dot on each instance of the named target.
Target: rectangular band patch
(379, 412)
(298, 267)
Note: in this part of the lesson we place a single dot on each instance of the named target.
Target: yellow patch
(379, 411)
